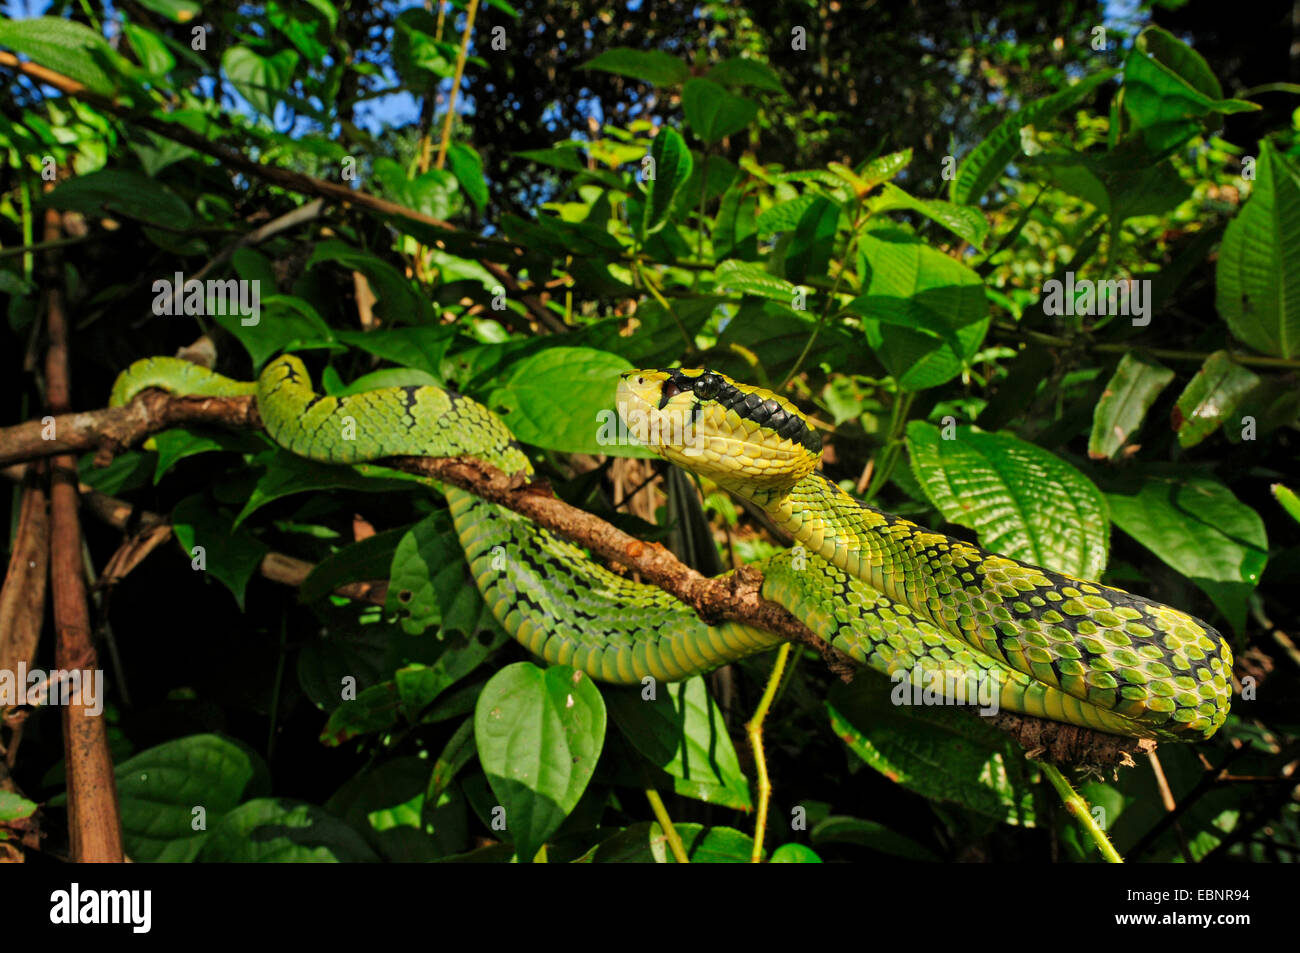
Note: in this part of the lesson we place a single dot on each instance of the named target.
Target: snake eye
(706, 386)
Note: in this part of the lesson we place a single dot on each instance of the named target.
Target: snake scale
(893, 596)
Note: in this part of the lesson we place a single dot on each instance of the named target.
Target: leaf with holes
(1023, 501)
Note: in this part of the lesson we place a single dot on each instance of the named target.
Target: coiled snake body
(898, 598)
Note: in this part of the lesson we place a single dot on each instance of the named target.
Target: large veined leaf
(559, 398)
(940, 753)
(72, 49)
(746, 73)
(809, 251)
(118, 192)
(712, 112)
(172, 795)
(672, 170)
(981, 168)
(1258, 273)
(863, 833)
(925, 314)
(653, 66)
(262, 80)
(1210, 397)
(1197, 526)
(1129, 394)
(683, 732)
(1023, 501)
(279, 830)
(1169, 88)
(967, 223)
(753, 279)
(231, 554)
(539, 734)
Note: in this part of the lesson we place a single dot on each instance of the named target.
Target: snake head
(734, 434)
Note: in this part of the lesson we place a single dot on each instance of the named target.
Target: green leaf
(809, 251)
(795, 854)
(113, 192)
(1022, 501)
(172, 796)
(177, 444)
(287, 473)
(940, 753)
(704, 845)
(280, 830)
(150, 49)
(925, 314)
(653, 66)
(391, 804)
(984, 165)
(753, 279)
(741, 72)
(232, 555)
(672, 165)
(467, 166)
(419, 58)
(1198, 527)
(964, 221)
(558, 398)
(1287, 499)
(1258, 272)
(66, 47)
(1129, 394)
(178, 11)
(430, 583)
(398, 301)
(282, 323)
(785, 216)
(422, 347)
(353, 642)
(1169, 89)
(880, 169)
(713, 113)
(870, 834)
(433, 193)
(539, 734)
(456, 753)
(1211, 396)
(362, 561)
(262, 80)
(682, 731)
(14, 807)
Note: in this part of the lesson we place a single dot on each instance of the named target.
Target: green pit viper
(893, 596)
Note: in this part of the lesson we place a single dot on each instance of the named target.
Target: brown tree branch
(94, 824)
(735, 598)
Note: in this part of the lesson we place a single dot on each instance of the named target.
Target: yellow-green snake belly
(893, 596)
